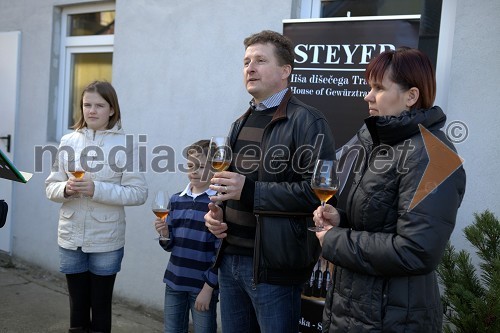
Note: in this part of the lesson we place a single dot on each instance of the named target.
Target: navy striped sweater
(191, 245)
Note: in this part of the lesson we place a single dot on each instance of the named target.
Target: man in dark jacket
(267, 252)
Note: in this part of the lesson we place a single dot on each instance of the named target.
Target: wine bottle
(326, 280)
(318, 280)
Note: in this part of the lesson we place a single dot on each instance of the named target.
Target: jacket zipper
(366, 162)
(256, 252)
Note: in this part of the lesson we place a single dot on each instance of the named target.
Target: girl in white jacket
(91, 232)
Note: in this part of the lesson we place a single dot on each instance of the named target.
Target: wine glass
(78, 172)
(324, 183)
(161, 208)
(220, 154)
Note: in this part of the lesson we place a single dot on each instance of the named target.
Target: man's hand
(228, 185)
(214, 221)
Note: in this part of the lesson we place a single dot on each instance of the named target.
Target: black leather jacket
(285, 251)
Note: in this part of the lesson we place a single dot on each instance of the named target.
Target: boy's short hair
(197, 148)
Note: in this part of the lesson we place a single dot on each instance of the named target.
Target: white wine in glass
(324, 183)
(220, 153)
(77, 172)
(161, 208)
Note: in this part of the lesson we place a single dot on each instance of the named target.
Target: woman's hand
(326, 216)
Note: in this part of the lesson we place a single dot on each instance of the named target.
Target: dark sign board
(330, 60)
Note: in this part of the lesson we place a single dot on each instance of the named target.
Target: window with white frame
(87, 37)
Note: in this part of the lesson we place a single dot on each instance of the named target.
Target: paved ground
(34, 301)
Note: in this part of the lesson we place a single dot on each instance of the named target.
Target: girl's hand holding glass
(79, 186)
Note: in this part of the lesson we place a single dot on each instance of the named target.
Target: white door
(9, 87)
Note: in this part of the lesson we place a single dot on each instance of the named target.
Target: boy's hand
(161, 227)
(202, 302)
(214, 222)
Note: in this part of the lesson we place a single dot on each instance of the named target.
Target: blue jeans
(98, 263)
(176, 312)
(246, 307)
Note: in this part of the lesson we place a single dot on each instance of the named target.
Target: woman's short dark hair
(106, 91)
(408, 68)
(282, 44)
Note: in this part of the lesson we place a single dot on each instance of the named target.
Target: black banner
(330, 60)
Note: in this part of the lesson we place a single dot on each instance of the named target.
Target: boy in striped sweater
(190, 282)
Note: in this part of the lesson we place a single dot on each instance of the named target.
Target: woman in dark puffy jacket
(400, 211)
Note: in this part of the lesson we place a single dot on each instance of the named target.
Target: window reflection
(87, 67)
(91, 24)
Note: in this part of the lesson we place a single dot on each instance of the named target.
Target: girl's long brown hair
(106, 91)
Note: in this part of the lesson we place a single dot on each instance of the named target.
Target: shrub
(471, 302)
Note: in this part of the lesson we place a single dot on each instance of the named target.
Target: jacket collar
(90, 133)
(393, 129)
(280, 112)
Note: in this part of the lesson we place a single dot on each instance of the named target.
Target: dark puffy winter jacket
(384, 251)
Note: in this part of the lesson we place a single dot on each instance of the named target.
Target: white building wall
(474, 99)
(177, 69)
(178, 73)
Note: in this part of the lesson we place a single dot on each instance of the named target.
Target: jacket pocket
(65, 230)
(105, 227)
(105, 217)
(285, 244)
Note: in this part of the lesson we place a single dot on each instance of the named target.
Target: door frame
(9, 92)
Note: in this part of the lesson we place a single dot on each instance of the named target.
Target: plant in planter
(471, 301)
